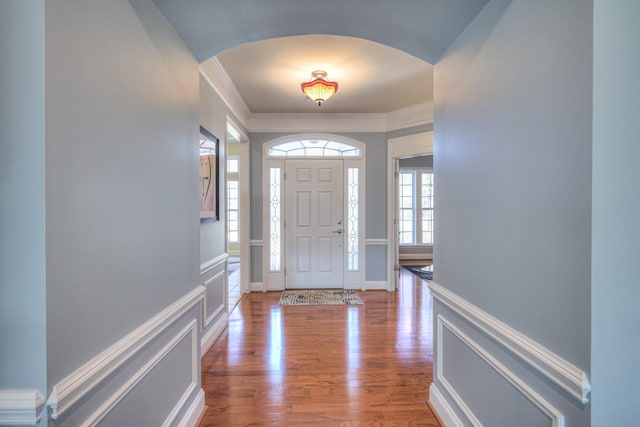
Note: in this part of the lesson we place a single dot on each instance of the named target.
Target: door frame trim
(418, 144)
(274, 280)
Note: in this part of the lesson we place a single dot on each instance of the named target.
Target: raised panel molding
(121, 393)
(557, 370)
(20, 407)
(89, 376)
(556, 417)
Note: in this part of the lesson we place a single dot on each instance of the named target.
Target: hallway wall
(22, 200)
(513, 234)
(616, 201)
(122, 214)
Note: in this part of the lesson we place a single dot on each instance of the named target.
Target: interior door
(314, 224)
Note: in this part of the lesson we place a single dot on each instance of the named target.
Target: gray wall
(122, 181)
(22, 191)
(417, 162)
(213, 117)
(514, 234)
(616, 201)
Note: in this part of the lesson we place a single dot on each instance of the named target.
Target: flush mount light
(319, 89)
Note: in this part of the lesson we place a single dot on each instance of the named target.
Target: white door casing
(314, 224)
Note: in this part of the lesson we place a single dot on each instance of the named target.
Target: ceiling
(423, 28)
(377, 50)
(372, 78)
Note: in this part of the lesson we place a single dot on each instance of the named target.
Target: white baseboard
(20, 407)
(557, 370)
(415, 256)
(375, 286)
(194, 412)
(212, 334)
(256, 287)
(88, 377)
(442, 408)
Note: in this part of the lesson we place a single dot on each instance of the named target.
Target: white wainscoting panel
(20, 407)
(86, 378)
(556, 417)
(208, 317)
(569, 377)
(121, 393)
(206, 267)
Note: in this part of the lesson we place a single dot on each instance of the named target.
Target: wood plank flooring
(355, 365)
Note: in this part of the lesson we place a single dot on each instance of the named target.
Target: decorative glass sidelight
(353, 187)
(275, 214)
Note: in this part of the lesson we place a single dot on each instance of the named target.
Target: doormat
(424, 272)
(320, 297)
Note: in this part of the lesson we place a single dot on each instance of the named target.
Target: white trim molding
(317, 122)
(20, 407)
(415, 115)
(121, 393)
(557, 370)
(257, 287)
(207, 266)
(89, 376)
(368, 242)
(442, 407)
(416, 256)
(556, 417)
(213, 71)
(196, 409)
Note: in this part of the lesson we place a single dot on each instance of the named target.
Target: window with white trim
(415, 216)
(313, 148)
(233, 200)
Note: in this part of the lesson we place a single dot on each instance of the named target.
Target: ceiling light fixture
(319, 89)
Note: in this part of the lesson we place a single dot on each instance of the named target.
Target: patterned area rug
(320, 297)
(425, 272)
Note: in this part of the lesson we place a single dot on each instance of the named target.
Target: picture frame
(209, 176)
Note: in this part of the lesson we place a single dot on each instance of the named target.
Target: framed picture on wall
(209, 176)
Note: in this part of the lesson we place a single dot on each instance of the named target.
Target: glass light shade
(319, 89)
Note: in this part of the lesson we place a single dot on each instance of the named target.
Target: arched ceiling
(372, 78)
(423, 28)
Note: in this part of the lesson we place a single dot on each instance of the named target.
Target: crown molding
(314, 122)
(415, 115)
(219, 80)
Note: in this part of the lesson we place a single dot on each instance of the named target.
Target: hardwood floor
(354, 365)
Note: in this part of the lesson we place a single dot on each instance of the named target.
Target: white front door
(314, 224)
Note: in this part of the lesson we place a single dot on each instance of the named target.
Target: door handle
(337, 231)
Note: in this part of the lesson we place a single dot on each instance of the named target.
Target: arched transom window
(314, 148)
